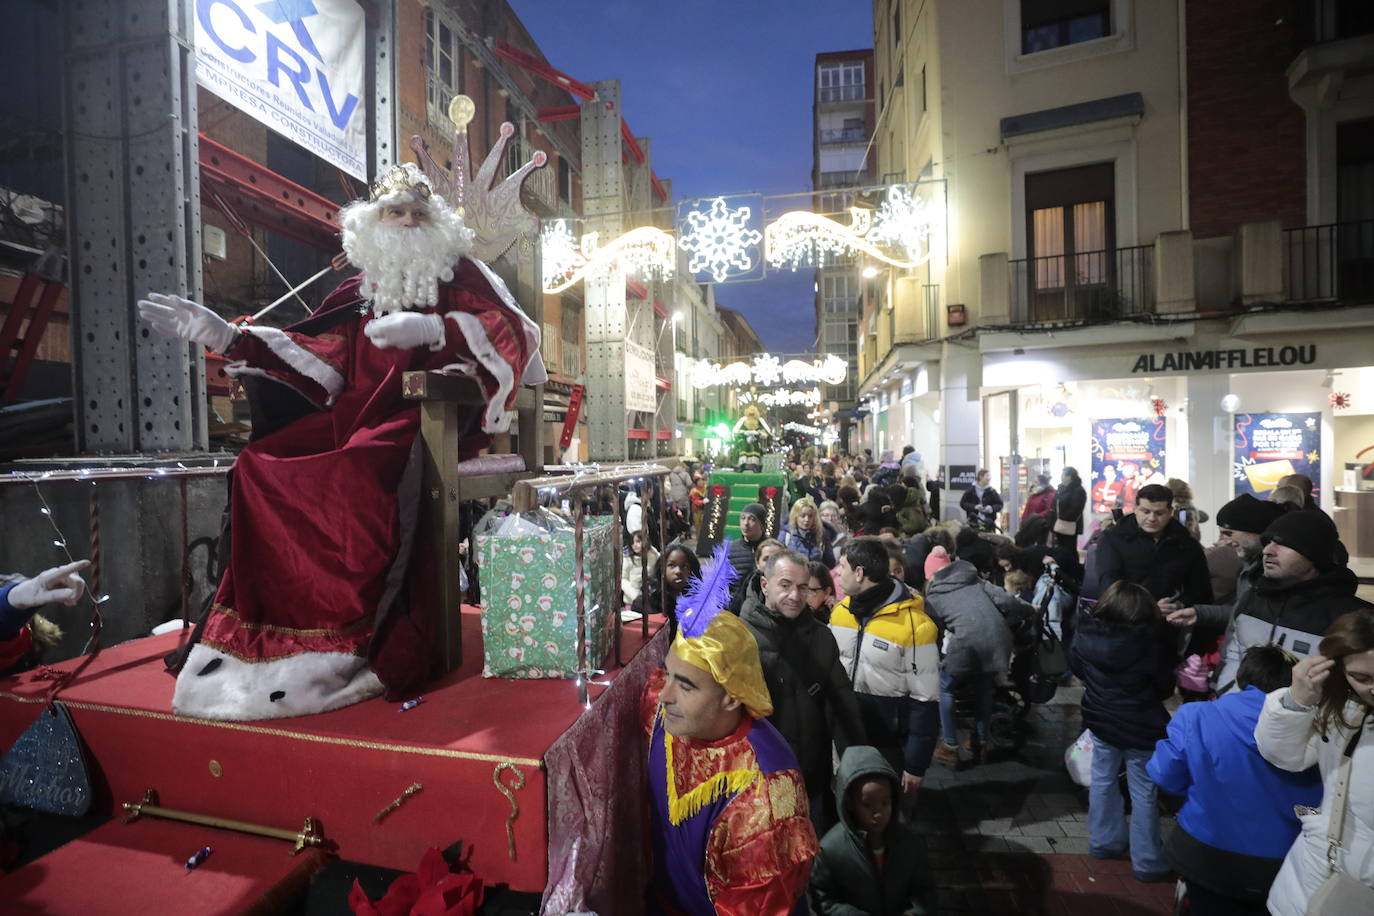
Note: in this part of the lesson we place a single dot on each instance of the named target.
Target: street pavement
(1011, 836)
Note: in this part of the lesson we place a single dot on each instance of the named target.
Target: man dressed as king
(327, 598)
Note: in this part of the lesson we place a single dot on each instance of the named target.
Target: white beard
(403, 267)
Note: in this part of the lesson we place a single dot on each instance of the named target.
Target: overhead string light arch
(725, 242)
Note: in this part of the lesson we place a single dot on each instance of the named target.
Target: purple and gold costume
(731, 834)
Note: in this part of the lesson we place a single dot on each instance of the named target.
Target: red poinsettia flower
(770, 492)
(717, 491)
(433, 890)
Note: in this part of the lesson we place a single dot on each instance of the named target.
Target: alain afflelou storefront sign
(1201, 360)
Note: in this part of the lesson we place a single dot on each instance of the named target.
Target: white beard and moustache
(402, 266)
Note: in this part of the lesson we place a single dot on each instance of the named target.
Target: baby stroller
(1038, 667)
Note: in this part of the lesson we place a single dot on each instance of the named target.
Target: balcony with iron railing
(1088, 287)
(1331, 264)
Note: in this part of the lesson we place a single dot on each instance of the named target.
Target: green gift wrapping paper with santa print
(529, 603)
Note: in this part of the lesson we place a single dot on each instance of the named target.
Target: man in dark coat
(1303, 590)
(1151, 548)
(813, 703)
(751, 521)
(1241, 522)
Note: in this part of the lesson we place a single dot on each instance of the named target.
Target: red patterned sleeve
(648, 700)
(12, 651)
(758, 858)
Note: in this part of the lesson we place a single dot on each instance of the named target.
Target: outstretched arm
(175, 316)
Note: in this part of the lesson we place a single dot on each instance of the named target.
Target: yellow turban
(730, 654)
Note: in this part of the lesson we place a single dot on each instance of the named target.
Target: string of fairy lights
(93, 476)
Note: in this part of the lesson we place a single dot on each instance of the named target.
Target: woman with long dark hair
(1070, 499)
(1323, 719)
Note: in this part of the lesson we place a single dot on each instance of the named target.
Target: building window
(840, 82)
(548, 346)
(896, 26)
(838, 293)
(564, 181)
(1047, 24)
(443, 65)
(1070, 222)
(924, 106)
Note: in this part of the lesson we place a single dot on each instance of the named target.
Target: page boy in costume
(731, 831)
(327, 596)
(21, 629)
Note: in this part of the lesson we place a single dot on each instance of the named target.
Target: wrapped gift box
(529, 602)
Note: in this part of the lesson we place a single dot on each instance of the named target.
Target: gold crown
(401, 179)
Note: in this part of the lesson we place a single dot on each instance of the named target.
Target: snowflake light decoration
(559, 253)
(903, 220)
(720, 239)
(767, 370)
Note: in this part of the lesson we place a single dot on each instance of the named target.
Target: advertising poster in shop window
(1127, 455)
(1270, 446)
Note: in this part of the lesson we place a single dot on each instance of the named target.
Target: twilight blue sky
(723, 88)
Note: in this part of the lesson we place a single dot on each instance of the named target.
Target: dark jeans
(984, 689)
(1202, 902)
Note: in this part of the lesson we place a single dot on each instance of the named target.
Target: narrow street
(1011, 836)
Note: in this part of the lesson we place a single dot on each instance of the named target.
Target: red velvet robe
(313, 505)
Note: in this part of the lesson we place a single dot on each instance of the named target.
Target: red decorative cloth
(433, 890)
(12, 651)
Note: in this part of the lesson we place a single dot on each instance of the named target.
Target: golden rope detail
(281, 732)
(509, 792)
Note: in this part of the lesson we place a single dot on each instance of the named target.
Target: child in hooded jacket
(869, 862)
(1122, 652)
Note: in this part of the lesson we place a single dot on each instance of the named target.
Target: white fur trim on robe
(495, 419)
(534, 372)
(298, 358)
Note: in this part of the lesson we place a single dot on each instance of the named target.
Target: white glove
(178, 317)
(406, 330)
(61, 584)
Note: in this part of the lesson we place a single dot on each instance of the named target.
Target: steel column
(133, 200)
(604, 206)
(381, 114)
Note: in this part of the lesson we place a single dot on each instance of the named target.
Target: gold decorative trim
(726, 782)
(361, 623)
(260, 660)
(418, 750)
